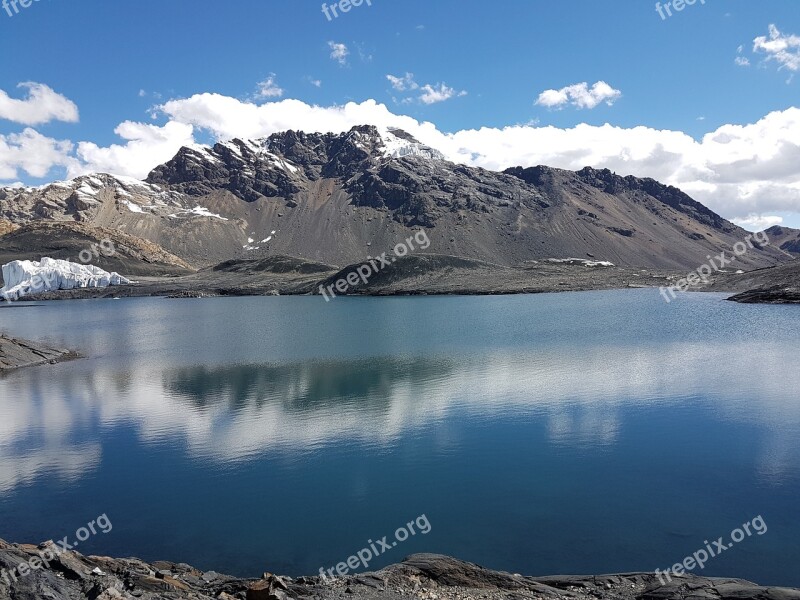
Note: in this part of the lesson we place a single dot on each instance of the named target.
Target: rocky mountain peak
(281, 164)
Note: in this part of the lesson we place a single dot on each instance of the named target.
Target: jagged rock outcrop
(69, 575)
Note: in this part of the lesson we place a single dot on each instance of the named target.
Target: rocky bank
(16, 353)
(425, 576)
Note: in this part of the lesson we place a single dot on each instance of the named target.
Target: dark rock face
(418, 191)
(429, 576)
(416, 187)
(245, 169)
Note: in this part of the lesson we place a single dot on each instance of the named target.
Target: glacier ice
(24, 277)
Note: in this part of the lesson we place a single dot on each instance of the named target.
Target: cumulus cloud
(428, 93)
(32, 153)
(779, 48)
(339, 52)
(431, 94)
(737, 170)
(269, 88)
(579, 95)
(41, 105)
(147, 146)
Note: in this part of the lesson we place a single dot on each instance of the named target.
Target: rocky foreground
(16, 353)
(427, 576)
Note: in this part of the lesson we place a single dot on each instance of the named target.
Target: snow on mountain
(85, 197)
(24, 277)
(397, 144)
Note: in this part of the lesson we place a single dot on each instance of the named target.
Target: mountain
(785, 238)
(337, 198)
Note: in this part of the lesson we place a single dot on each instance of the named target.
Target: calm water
(579, 433)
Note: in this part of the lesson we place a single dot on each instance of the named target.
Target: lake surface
(560, 433)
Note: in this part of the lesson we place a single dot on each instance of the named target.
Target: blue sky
(118, 61)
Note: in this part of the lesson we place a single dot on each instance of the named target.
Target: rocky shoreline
(418, 275)
(70, 575)
(16, 354)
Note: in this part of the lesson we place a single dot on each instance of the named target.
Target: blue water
(565, 433)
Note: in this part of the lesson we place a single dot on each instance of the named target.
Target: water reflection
(229, 413)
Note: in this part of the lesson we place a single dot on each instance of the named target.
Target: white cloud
(42, 105)
(737, 170)
(432, 94)
(32, 153)
(580, 95)
(780, 48)
(401, 84)
(315, 82)
(429, 94)
(758, 222)
(740, 60)
(339, 52)
(147, 146)
(269, 88)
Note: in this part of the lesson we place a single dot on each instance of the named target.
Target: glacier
(24, 277)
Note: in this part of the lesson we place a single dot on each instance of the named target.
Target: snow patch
(200, 212)
(135, 208)
(204, 153)
(581, 262)
(87, 189)
(395, 146)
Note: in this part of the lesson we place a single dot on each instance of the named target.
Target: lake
(558, 433)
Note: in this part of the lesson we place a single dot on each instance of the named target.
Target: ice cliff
(24, 277)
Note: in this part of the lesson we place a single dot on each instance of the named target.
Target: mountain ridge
(337, 198)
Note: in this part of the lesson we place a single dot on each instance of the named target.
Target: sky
(706, 98)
